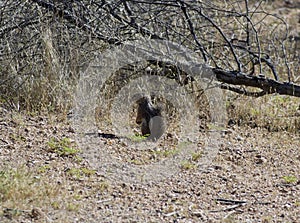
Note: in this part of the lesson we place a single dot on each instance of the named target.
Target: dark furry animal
(150, 119)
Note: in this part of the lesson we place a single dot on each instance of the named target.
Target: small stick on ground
(228, 201)
(231, 208)
(235, 204)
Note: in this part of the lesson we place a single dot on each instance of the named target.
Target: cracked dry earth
(255, 177)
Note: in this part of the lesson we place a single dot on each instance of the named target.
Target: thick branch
(243, 91)
(268, 85)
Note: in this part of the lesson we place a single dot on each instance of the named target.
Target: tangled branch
(240, 40)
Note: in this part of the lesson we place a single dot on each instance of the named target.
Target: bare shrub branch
(240, 40)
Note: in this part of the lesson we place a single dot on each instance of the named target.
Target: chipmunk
(150, 119)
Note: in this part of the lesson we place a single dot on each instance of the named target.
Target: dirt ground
(255, 177)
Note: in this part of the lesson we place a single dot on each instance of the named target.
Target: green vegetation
(73, 207)
(166, 153)
(80, 172)
(290, 179)
(63, 147)
(44, 169)
(196, 156)
(138, 138)
(187, 165)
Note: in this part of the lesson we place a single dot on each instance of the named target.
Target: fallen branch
(269, 86)
(243, 91)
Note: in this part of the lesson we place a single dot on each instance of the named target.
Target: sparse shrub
(290, 179)
(187, 165)
(273, 112)
(20, 188)
(63, 147)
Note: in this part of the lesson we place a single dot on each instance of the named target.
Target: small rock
(260, 159)
(239, 138)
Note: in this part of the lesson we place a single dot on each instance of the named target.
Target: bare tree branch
(244, 44)
(268, 85)
(243, 91)
(76, 21)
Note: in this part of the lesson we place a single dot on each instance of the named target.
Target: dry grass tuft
(273, 112)
(22, 190)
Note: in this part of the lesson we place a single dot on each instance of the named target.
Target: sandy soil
(255, 177)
